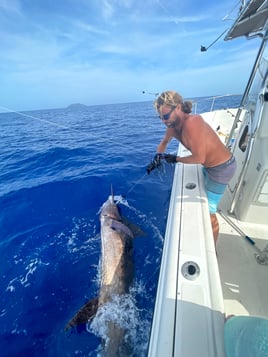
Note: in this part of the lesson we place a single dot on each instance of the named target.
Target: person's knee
(214, 220)
(215, 226)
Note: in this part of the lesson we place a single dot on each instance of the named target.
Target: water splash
(123, 311)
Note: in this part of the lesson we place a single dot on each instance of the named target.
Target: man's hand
(171, 159)
(155, 163)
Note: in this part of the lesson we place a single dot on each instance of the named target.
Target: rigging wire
(225, 18)
(204, 49)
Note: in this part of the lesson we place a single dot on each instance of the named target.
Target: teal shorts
(216, 179)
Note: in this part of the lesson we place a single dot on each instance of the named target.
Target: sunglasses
(167, 115)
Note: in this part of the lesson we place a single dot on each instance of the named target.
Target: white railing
(213, 102)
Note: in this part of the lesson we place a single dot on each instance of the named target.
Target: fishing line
(156, 94)
(160, 172)
(76, 130)
(124, 146)
(32, 117)
(135, 184)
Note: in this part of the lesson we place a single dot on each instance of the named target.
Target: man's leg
(215, 226)
(214, 191)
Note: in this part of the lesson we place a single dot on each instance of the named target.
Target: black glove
(171, 159)
(155, 163)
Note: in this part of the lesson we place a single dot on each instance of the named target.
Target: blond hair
(172, 99)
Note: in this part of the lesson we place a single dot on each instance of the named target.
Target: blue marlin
(117, 270)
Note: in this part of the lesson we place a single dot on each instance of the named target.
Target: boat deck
(199, 286)
(244, 281)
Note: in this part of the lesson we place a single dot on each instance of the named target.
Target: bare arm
(164, 142)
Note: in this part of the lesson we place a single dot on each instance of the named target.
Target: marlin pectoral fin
(86, 313)
(121, 227)
(136, 230)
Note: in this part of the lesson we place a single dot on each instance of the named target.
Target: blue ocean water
(56, 170)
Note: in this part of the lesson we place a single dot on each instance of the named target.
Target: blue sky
(57, 52)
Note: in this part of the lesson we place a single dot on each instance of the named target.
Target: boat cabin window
(243, 142)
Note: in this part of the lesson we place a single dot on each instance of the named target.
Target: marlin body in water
(117, 271)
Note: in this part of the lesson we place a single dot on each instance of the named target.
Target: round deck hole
(190, 185)
(190, 270)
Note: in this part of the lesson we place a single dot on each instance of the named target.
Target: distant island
(76, 106)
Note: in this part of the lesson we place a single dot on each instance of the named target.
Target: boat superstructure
(198, 285)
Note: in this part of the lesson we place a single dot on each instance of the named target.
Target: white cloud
(107, 10)
(112, 49)
(90, 28)
(8, 6)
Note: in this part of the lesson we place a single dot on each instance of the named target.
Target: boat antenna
(204, 49)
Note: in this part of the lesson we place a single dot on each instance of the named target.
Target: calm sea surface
(56, 170)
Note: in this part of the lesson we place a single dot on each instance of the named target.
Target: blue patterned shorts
(216, 179)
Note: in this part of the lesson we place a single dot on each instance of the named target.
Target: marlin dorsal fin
(112, 193)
